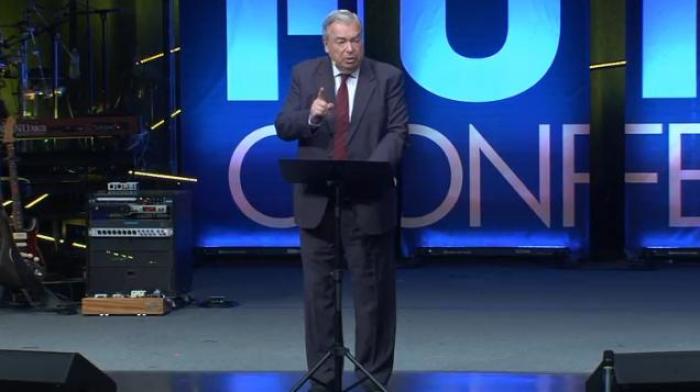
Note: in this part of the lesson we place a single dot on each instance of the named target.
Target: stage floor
(401, 382)
(467, 326)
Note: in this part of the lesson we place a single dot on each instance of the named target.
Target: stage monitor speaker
(647, 372)
(40, 371)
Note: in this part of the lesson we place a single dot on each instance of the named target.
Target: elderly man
(346, 106)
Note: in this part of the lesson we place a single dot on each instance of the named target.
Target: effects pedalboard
(138, 303)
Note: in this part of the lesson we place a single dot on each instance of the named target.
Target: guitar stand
(49, 301)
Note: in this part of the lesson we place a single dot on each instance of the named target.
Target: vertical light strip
(669, 35)
(251, 56)
(304, 17)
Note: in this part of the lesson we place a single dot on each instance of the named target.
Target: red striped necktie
(342, 120)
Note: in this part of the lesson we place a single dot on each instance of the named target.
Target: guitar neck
(17, 218)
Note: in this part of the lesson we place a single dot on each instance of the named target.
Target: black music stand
(371, 178)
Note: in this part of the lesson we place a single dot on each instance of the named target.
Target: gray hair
(342, 16)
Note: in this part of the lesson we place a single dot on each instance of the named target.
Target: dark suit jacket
(378, 131)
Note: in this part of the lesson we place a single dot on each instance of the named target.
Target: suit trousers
(370, 261)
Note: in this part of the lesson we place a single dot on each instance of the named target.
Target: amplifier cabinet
(140, 241)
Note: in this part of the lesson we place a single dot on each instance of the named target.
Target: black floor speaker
(647, 372)
(40, 371)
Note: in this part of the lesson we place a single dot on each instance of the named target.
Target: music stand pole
(333, 172)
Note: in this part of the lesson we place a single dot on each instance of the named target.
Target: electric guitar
(25, 237)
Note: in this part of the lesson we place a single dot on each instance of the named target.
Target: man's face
(343, 42)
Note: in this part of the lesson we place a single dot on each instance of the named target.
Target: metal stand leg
(338, 352)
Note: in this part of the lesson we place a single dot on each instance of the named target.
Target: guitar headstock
(8, 130)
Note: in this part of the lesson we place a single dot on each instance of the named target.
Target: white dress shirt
(352, 86)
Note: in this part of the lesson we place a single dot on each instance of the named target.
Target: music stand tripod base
(338, 175)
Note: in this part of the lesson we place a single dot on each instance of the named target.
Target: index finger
(320, 94)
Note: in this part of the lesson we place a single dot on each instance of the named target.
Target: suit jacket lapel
(365, 88)
(324, 78)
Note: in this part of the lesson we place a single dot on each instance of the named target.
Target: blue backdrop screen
(499, 107)
(663, 127)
